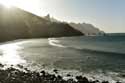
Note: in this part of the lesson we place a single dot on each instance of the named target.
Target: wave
(100, 52)
(55, 42)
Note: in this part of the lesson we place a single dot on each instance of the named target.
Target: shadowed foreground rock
(13, 75)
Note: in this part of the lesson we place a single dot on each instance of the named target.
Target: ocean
(96, 57)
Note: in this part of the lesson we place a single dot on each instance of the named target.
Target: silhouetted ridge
(16, 23)
(85, 28)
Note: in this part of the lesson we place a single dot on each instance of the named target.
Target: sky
(107, 15)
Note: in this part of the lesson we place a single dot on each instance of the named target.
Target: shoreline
(21, 74)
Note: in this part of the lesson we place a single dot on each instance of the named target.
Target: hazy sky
(108, 15)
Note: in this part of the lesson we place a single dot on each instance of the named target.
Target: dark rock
(55, 70)
(123, 75)
(105, 82)
(78, 77)
(68, 75)
(85, 80)
(43, 73)
(59, 77)
(82, 79)
(118, 82)
(20, 66)
(1, 65)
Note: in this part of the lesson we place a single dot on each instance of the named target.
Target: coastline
(21, 74)
(45, 44)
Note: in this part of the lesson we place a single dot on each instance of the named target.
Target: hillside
(87, 29)
(16, 23)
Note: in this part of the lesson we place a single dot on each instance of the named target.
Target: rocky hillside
(16, 23)
(87, 29)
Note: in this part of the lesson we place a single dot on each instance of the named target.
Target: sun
(8, 3)
(33, 6)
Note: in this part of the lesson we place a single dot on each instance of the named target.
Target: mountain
(16, 23)
(87, 29)
(49, 18)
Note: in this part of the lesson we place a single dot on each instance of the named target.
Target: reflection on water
(9, 54)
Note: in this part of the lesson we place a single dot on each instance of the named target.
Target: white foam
(55, 42)
(109, 76)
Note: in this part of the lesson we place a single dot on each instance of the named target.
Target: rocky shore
(24, 75)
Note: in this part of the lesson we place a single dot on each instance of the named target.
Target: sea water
(96, 57)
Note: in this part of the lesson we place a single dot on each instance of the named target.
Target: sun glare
(8, 3)
(28, 5)
(10, 54)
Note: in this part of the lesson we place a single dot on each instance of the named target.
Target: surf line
(55, 42)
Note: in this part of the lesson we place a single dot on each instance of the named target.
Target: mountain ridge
(16, 23)
(86, 28)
